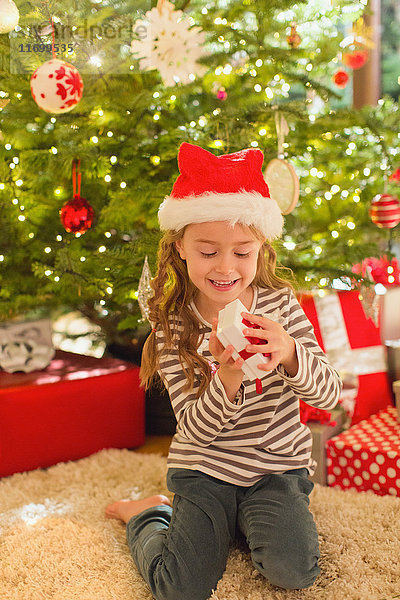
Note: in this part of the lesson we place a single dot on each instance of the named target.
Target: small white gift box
(230, 332)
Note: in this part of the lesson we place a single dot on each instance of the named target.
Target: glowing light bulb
(289, 245)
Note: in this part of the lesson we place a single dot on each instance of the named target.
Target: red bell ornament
(385, 211)
(293, 39)
(77, 215)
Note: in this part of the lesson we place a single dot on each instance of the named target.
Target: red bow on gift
(310, 413)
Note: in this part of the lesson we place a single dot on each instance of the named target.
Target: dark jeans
(182, 552)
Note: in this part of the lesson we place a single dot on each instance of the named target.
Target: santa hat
(229, 188)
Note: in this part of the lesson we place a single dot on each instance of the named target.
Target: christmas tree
(225, 75)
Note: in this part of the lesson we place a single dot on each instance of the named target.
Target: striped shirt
(239, 442)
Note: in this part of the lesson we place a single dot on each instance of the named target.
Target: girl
(239, 460)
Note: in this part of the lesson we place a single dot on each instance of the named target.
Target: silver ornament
(145, 291)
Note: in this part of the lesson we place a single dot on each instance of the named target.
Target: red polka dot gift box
(367, 456)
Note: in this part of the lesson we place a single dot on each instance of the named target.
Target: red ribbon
(54, 41)
(256, 341)
(316, 415)
(253, 340)
(53, 48)
(76, 178)
(245, 355)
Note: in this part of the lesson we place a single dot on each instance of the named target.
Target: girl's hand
(223, 355)
(278, 343)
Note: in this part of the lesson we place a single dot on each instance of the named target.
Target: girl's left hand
(278, 343)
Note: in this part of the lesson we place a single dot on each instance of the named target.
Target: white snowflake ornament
(169, 44)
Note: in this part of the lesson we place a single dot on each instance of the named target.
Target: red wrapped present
(353, 346)
(76, 406)
(367, 456)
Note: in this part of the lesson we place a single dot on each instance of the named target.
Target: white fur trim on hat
(247, 208)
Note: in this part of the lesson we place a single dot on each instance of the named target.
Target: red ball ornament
(56, 86)
(355, 57)
(341, 78)
(395, 176)
(385, 211)
(77, 215)
(293, 39)
(221, 94)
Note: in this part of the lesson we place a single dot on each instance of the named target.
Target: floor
(156, 444)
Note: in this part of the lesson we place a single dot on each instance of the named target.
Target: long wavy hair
(173, 292)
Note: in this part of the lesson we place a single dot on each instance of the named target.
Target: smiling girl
(239, 460)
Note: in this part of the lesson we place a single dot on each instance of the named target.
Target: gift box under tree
(75, 407)
(396, 391)
(367, 455)
(353, 346)
(323, 425)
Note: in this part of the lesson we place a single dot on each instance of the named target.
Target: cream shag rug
(55, 543)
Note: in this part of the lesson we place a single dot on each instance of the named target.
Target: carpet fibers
(55, 543)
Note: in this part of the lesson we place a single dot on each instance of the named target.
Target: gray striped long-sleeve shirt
(241, 441)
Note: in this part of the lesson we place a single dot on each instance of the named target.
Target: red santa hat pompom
(229, 188)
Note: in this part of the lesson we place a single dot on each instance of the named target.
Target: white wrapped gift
(230, 332)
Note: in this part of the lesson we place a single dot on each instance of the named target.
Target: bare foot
(126, 509)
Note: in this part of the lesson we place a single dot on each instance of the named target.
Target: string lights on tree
(127, 136)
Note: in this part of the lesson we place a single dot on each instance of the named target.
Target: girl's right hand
(223, 355)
